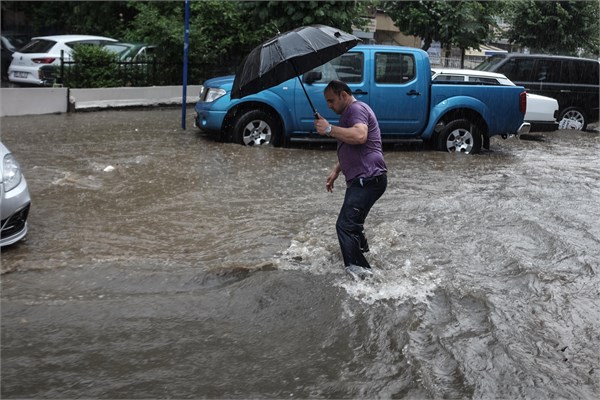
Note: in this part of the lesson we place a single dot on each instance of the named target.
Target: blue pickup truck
(395, 81)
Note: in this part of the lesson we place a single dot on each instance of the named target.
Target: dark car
(573, 81)
(11, 42)
(132, 52)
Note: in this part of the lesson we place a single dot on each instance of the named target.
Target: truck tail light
(46, 60)
(523, 102)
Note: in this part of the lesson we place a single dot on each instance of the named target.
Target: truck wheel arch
(460, 135)
(232, 119)
(470, 122)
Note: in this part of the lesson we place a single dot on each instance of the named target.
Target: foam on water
(397, 274)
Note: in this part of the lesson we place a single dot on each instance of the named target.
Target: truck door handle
(413, 93)
(360, 91)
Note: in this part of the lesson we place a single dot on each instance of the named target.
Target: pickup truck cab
(395, 81)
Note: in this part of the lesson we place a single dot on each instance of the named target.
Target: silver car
(14, 199)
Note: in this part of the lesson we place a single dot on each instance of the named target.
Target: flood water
(197, 269)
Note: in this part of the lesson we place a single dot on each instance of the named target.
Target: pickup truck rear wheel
(460, 136)
(254, 128)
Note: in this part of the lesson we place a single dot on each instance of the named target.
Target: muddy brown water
(162, 264)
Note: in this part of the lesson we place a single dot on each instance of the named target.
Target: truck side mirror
(312, 76)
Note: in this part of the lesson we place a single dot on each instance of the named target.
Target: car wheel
(254, 128)
(572, 118)
(460, 136)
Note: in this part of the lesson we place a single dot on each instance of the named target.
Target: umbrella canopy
(289, 55)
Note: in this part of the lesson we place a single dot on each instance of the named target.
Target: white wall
(30, 101)
(24, 101)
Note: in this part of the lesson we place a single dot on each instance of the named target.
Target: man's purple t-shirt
(361, 160)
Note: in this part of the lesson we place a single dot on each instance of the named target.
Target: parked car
(573, 81)
(14, 207)
(132, 52)
(26, 64)
(542, 111)
(395, 81)
(10, 43)
(469, 75)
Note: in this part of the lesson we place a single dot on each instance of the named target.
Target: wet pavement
(162, 264)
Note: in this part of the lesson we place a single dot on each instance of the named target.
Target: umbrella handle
(315, 113)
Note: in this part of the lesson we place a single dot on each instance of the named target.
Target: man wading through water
(360, 158)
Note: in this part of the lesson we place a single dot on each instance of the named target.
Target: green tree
(280, 16)
(220, 35)
(463, 24)
(421, 19)
(471, 24)
(218, 44)
(107, 18)
(557, 27)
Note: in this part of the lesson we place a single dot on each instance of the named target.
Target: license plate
(20, 74)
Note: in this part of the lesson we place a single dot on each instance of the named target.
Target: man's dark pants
(360, 196)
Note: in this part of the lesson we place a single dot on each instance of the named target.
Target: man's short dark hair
(338, 87)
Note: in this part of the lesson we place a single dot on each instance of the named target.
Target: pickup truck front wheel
(460, 136)
(254, 128)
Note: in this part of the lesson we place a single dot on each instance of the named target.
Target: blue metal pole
(186, 35)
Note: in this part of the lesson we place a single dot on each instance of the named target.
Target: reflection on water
(192, 268)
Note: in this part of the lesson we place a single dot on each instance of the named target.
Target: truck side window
(394, 68)
(347, 68)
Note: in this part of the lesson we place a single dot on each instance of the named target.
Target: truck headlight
(213, 94)
(11, 172)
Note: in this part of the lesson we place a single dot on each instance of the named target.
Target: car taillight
(47, 60)
(523, 102)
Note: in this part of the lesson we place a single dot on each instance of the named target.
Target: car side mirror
(312, 76)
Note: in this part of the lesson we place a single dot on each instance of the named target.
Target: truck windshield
(347, 67)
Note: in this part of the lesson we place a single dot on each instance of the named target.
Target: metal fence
(444, 62)
(138, 73)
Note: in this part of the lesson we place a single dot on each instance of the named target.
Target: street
(162, 264)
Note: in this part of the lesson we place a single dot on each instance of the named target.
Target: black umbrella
(289, 55)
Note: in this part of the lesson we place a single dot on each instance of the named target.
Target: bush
(92, 67)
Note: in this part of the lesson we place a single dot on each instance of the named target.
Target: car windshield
(117, 48)
(489, 64)
(38, 46)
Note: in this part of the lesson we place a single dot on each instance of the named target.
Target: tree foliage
(216, 44)
(94, 67)
(223, 32)
(463, 24)
(105, 18)
(557, 27)
(281, 16)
